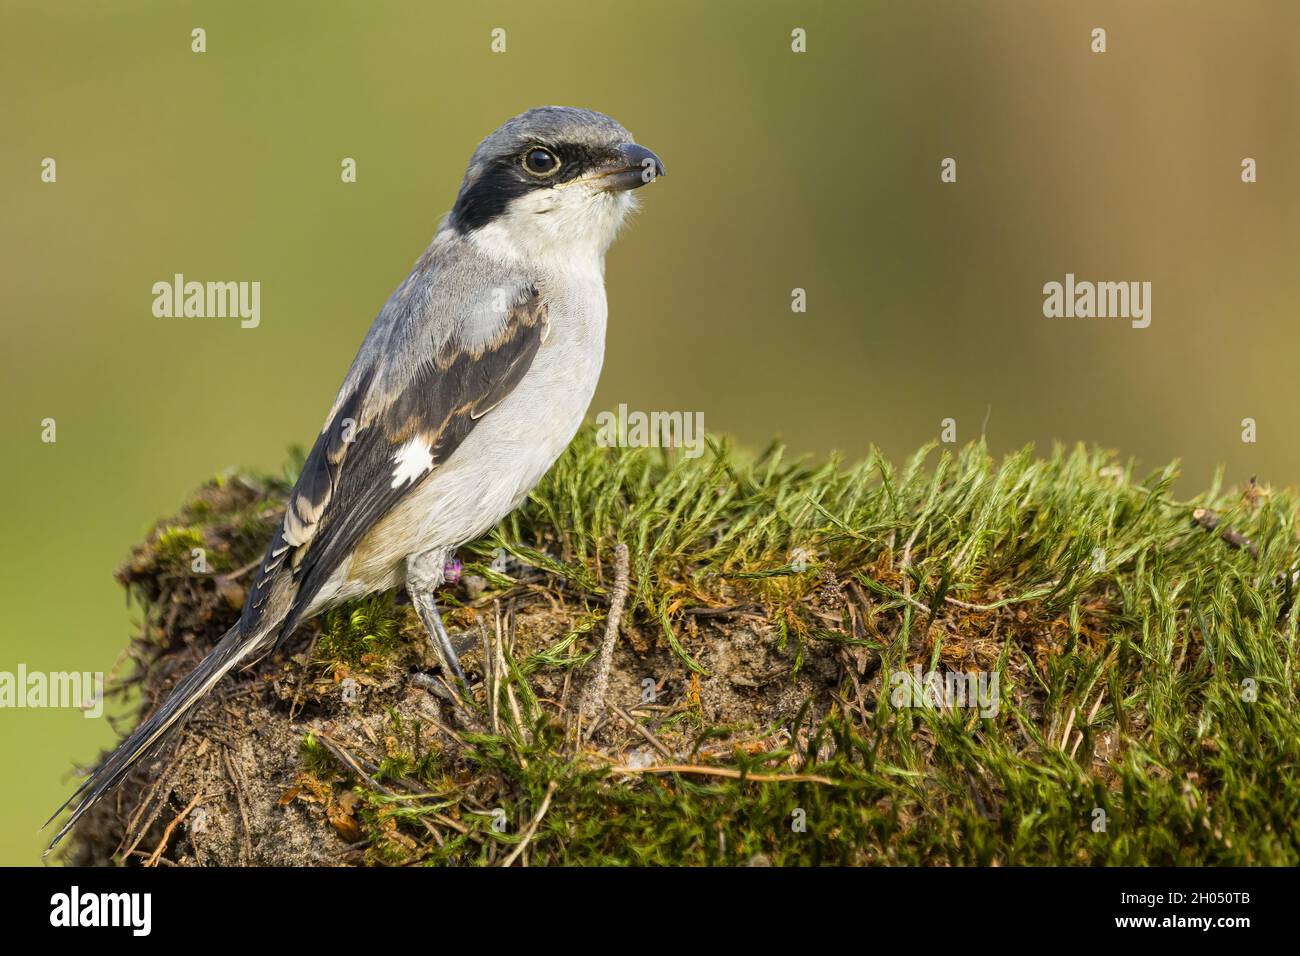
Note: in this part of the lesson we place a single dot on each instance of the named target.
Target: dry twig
(594, 699)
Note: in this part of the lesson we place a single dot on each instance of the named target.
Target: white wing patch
(412, 460)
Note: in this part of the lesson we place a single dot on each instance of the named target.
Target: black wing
(347, 482)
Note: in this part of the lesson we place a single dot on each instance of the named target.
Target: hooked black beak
(634, 167)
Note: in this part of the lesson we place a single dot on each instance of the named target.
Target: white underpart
(412, 460)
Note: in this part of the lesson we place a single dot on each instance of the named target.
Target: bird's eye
(541, 162)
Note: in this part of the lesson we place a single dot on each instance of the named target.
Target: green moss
(177, 545)
(1070, 575)
(363, 635)
(314, 757)
(1146, 664)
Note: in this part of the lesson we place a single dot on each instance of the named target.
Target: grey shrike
(470, 383)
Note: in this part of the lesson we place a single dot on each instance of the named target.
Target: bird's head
(552, 183)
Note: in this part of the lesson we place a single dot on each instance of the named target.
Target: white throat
(559, 229)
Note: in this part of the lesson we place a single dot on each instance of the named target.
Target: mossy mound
(1144, 648)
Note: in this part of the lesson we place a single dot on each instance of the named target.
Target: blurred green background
(817, 170)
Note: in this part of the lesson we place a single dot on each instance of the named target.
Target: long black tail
(230, 650)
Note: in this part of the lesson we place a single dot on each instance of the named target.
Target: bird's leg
(427, 608)
(424, 572)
